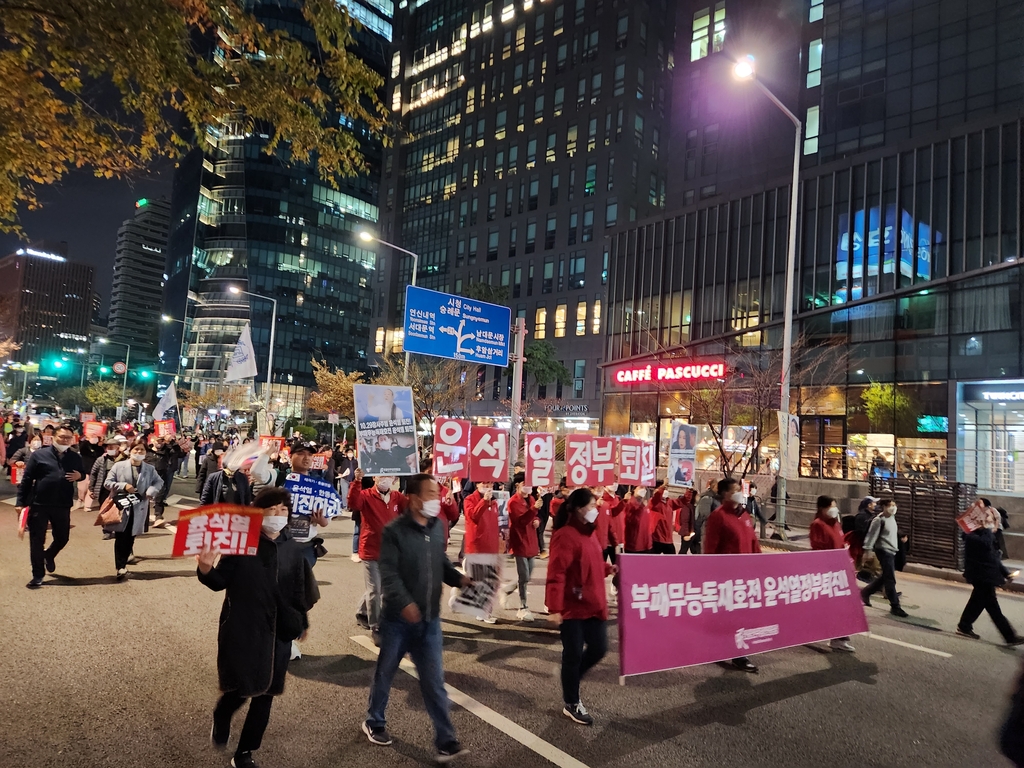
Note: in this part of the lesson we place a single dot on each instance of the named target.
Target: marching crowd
(402, 533)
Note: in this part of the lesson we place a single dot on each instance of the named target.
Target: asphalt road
(98, 673)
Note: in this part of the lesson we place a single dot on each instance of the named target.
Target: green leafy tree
(889, 409)
(543, 365)
(103, 395)
(69, 398)
(113, 85)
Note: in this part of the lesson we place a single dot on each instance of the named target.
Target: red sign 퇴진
(227, 528)
(669, 373)
(451, 447)
(637, 462)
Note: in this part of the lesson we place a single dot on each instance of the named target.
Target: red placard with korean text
(488, 455)
(637, 462)
(94, 429)
(451, 447)
(86, 416)
(589, 460)
(228, 528)
(165, 427)
(974, 517)
(540, 459)
(275, 443)
(16, 474)
(320, 460)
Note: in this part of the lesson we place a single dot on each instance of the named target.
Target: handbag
(109, 513)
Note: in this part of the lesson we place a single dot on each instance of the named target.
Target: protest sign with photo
(451, 447)
(164, 428)
(488, 458)
(540, 459)
(226, 528)
(95, 429)
(386, 430)
(974, 517)
(682, 454)
(478, 599)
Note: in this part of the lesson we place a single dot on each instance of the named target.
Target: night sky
(86, 212)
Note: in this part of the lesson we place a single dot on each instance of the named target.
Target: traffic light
(144, 374)
(104, 369)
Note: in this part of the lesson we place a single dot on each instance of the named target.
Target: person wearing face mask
(661, 513)
(20, 456)
(377, 506)
(883, 540)
(609, 512)
(984, 570)
(47, 488)
(266, 607)
(140, 480)
(101, 468)
(706, 504)
(209, 465)
(90, 450)
(413, 570)
(522, 540)
(482, 536)
(730, 531)
(17, 441)
(575, 596)
(686, 523)
(638, 523)
(827, 533)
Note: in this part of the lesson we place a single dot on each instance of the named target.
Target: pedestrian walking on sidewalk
(883, 540)
(47, 488)
(827, 533)
(575, 596)
(984, 570)
(140, 481)
(413, 569)
(377, 506)
(522, 540)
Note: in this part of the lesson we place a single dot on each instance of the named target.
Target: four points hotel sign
(443, 325)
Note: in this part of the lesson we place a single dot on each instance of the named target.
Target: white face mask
(384, 486)
(890, 511)
(590, 515)
(112, 452)
(640, 493)
(431, 508)
(833, 512)
(611, 489)
(35, 445)
(526, 490)
(137, 458)
(737, 498)
(274, 523)
(61, 448)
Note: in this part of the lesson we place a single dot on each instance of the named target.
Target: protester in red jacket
(662, 511)
(730, 531)
(827, 533)
(522, 541)
(638, 524)
(377, 506)
(481, 521)
(685, 524)
(449, 511)
(575, 596)
(609, 509)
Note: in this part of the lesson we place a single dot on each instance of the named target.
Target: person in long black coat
(268, 599)
(984, 570)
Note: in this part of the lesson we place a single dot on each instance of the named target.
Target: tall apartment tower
(137, 290)
(531, 130)
(243, 221)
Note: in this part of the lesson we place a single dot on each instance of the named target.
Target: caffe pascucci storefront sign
(667, 373)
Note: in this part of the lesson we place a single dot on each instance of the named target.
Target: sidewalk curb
(918, 569)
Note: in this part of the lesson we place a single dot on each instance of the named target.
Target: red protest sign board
(165, 428)
(275, 443)
(451, 447)
(320, 460)
(973, 518)
(540, 459)
(16, 474)
(94, 429)
(229, 528)
(488, 456)
(589, 460)
(86, 416)
(637, 462)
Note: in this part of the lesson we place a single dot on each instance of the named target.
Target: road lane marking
(529, 740)
(921, 648)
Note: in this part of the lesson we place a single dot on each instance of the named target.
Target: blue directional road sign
(443, 325)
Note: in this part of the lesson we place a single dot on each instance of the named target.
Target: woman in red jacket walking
(827, 533)
(638, 523)
(481, 525)
(661, 514)
(522, 541)
(576, 596)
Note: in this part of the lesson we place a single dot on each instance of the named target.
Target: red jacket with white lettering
(728, 533)
(826, 532)
(576, 570)
(522, 536)
(609, 510)
(638, 527)
(374, 514)
(481, 525)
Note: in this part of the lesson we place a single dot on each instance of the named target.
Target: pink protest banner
(682, 611)
(636, 462)
(488, 457)
(228, 528)
(164, 427)
(578, 461)
(451, 447)
(540, 459)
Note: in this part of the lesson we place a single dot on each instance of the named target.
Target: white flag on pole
(243, 359)
(167, 408)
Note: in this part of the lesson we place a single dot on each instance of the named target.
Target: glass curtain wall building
(908, 254)
(263, 224)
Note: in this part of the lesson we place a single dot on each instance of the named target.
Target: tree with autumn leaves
(113, 85)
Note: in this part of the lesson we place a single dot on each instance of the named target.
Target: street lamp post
(127, 360)
(366, 237)
(744, 70)
(273, 327)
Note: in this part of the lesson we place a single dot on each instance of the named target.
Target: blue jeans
(355, 540)
(423, 642)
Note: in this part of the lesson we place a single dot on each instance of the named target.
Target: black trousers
(886, 581)
(542, 518)
(124, 541)
(584, 643)
(983, 598)
(663, 549)
(59, 520)
(256, 718)
(609, 554)
(692, 546)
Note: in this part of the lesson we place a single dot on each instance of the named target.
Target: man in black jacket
(984, 570)
(164, 455)
(413, 569)
(47, 488)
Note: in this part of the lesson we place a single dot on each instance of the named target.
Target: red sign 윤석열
(681, 611)
(451, 447)
(540, 459)
(488, 455)
(227, 528)
(667, 372)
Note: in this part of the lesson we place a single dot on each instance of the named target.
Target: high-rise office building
(908, 241)
(137, 291)
(242, 220)
(532, 129)
(45, 302)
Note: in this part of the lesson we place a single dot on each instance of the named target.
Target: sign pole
(517, 387)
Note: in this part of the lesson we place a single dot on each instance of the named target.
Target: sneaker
(49, 562)
(132, 560)
(355, 557)
(296, 653)
(158, 523)
(152, 519)
(107, 535)
(488, 620)
(378, 736)
(219, 734)
(524, 615)
(503, 599)
(900, 613)
(746, 665)
(35, 583)
(543, 555)
(967, 633)
(375, 637)
(578, 713)
(841, 645)
(243, 760)
(122, 574)
(1018, 640)
(449, 752)
(362, 621)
